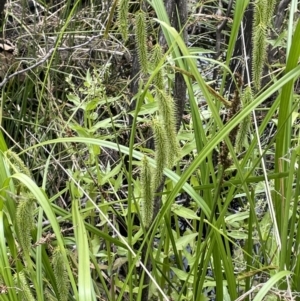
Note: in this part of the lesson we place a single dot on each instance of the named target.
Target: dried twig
(46, 57)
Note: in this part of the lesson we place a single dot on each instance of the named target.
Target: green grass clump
(101, 198)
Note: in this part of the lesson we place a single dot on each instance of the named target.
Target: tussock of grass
(71, 158)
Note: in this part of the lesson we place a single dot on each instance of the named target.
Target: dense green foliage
(91, 209)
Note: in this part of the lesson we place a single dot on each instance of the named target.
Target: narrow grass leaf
(85, 288)
(45, 204)
(269, 284)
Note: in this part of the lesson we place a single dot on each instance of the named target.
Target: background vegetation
(149, 150)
